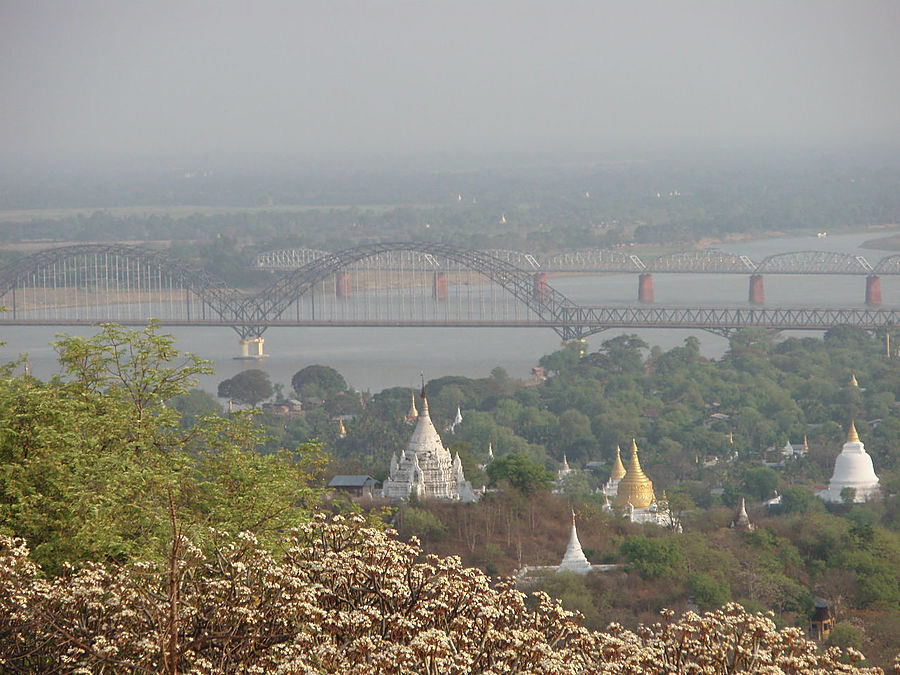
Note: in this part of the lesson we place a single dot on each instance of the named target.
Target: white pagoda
(852, 469)
(574, 560)
(426, 469)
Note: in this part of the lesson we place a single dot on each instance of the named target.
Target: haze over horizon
(96, 81)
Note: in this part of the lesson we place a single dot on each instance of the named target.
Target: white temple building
(574, 560)
(426, 469)
(853, 468)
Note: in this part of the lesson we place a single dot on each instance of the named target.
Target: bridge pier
(645, 287)
(757, 295)
(343, 285)
(252, 348)
(873, 290)
(540, 292)
(439, 290)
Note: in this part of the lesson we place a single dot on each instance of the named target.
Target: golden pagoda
(635, 488)
(413, 413)
(853, 382)
(618, 470)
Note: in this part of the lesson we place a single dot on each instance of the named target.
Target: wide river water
(376, 358)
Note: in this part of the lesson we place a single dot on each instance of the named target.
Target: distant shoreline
(889, 243)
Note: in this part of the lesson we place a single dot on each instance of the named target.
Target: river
(376, 358)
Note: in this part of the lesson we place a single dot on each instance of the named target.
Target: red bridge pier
(757, 294)
(540, 286)
(439, 286)
(645, 288)
(344, 286)
(873, 290)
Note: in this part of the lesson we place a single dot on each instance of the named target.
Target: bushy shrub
(349, 598)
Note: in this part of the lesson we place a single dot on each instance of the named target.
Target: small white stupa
(852, 469)
(574, 560)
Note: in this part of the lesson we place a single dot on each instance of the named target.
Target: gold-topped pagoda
(852, 436)
(413, 413)
(635, 488)
(611, 487)
(618, 470)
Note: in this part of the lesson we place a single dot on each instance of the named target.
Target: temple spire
(852, 436)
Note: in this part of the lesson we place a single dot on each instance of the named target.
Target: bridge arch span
(707, 260)
(888, 265)
(814, 262)
(113, 273)
(549, 305)
(593, 260)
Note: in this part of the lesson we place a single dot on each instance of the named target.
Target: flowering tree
(348, 598)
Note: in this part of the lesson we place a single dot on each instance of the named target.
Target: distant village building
(790, 450)
(853, 469)
(356, 485)
(426, 469)
(822, 620)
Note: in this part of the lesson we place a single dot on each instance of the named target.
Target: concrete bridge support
(645, 288)
(344, 285)
(873, 290)
(757, 295)
(540, 286)
(439, 289)
(252, 348)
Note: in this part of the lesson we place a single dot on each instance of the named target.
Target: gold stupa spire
(635, 488)
(852, 436)
(413, 413)
(342, 430)
(853, 382)
(618, 470)
(805, 444)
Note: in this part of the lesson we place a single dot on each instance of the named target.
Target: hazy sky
(182, 78)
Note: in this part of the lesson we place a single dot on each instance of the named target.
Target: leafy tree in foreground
(346, 598)
(88, 459)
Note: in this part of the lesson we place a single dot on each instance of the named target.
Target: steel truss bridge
(597, 261)
(389, 284)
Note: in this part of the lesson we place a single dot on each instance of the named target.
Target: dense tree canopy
(248, 386)
(88, 459)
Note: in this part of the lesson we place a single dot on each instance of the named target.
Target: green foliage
(760, 482)
(845, 635)
(709, 591)
(318, 381)
(248, 386)
(87, 461)
(799, 500)
(657, 558)
(416, 522)
(520, 473)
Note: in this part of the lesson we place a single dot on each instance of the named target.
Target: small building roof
(357, 481)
